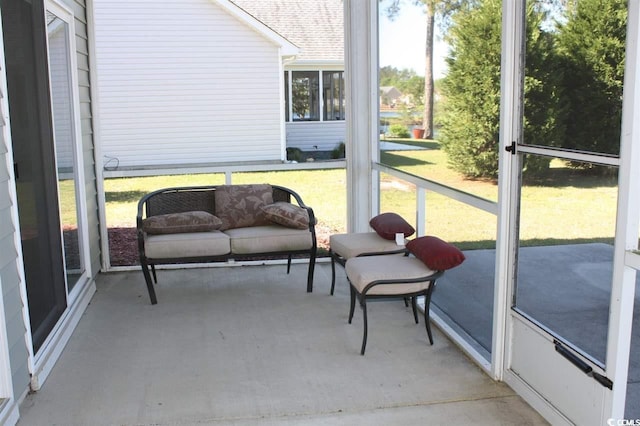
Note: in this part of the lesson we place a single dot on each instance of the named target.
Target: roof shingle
(315, 26)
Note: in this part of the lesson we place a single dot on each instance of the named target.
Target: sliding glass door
(43, 111)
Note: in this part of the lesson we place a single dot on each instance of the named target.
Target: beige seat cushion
(352, 245)
(268, 239)
(364, 270)
(193, 244)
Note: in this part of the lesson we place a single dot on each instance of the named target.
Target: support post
(361, 84)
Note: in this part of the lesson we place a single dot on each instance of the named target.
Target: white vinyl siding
(315, 135)
(184, 83)
(88, 143)
(11, 314)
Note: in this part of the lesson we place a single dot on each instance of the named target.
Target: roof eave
(318, 62)
(286, 47)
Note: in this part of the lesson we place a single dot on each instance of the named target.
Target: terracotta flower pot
(418, 133)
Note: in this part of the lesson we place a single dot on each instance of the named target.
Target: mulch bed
(123, 245)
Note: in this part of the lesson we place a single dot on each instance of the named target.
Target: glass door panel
(65, 145)
(32, 141)
(565, 256)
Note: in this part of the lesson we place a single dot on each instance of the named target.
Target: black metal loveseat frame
(202, 198)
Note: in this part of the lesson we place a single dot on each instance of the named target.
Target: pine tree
(471, 116)
(591, 44)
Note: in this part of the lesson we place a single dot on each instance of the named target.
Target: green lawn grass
(324, 190)
(566, 207)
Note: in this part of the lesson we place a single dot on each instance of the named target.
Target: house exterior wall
(185, 83)
(315, 135)
(15, 327)
(84, 63)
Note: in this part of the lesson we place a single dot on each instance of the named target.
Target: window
(305, 88)
(302, 95)
(286, 96)
(333, 91)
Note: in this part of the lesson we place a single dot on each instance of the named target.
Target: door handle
(583, 366)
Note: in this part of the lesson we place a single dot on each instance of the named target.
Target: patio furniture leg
(352, 306)
(427, 304)
(414, 305)
(333, 272)
(147, 278)
(288, 264)
(312, 266)
(153, 271)
(363, 303)
(428, 326)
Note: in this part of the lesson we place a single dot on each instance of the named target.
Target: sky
(403, 41)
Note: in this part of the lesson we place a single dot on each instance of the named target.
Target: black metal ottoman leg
(353, 303)
(333, 272)
(428, 325)
(427, 305)
(364, 335)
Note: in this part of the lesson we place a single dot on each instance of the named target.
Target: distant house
(211, 81)
(314, 78)
(389, 96)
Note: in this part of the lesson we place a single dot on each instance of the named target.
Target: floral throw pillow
(287, 214)
(177, 223)
(239, 206)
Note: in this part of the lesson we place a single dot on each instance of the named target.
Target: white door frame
(604, 404)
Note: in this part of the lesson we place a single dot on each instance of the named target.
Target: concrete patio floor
(248, 346)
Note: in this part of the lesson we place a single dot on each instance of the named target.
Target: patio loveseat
(221, 222)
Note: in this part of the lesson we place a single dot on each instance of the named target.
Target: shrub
(398, 131)
(294, 154)
(339, 151)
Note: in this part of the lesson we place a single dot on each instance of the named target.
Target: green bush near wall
(398, 131)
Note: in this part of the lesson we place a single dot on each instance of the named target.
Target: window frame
(331, 105)
(324, 96)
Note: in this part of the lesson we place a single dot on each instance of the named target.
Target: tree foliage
(574, 74)
(471, 116)
(591, 47)
(405, 80)
(471, 112)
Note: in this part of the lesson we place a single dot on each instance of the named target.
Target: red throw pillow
(438, 255)
(387, 225)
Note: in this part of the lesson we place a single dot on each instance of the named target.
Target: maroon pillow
(438, 255)
(387, 225)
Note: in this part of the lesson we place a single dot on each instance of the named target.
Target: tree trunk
(427, 118)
